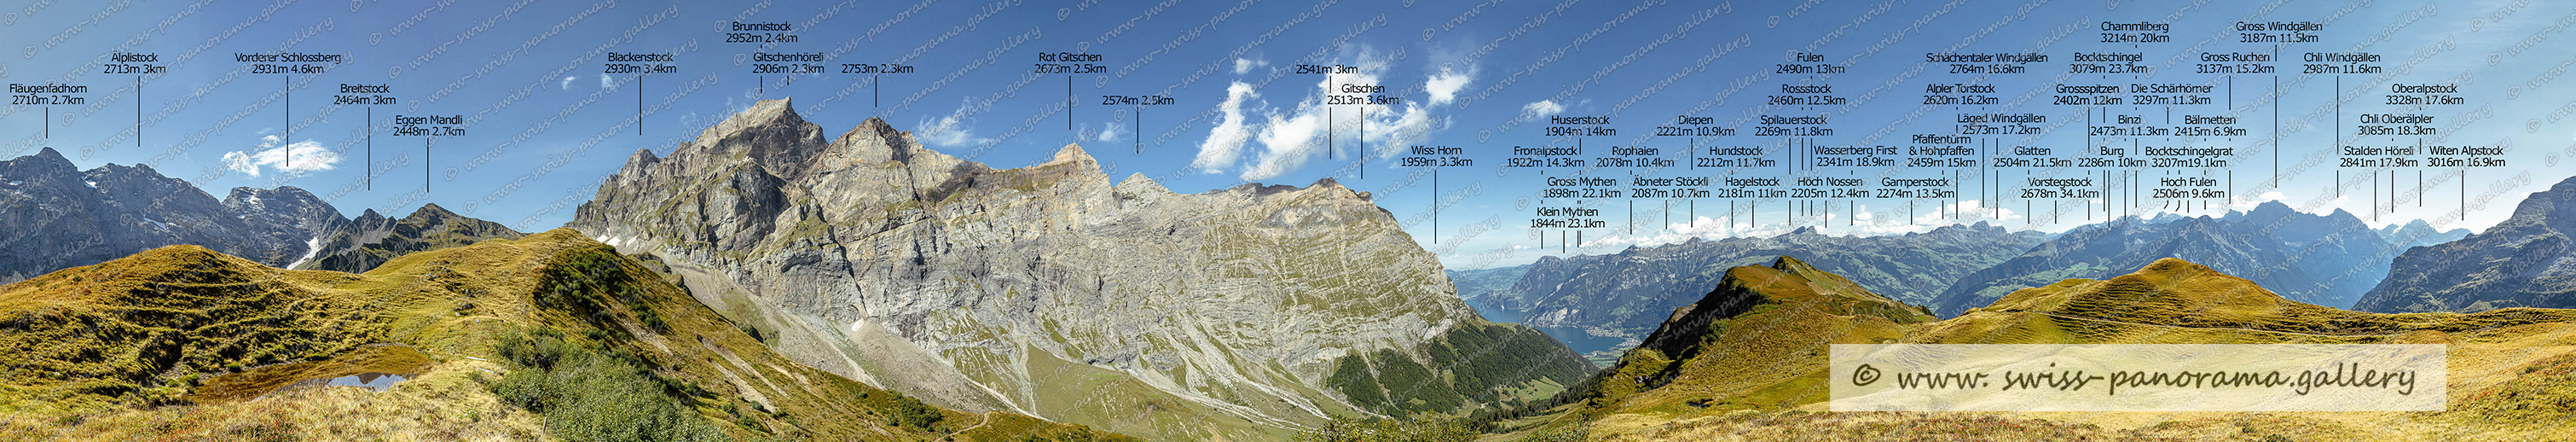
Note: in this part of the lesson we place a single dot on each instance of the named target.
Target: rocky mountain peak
(282, 197)
(2271, 209)
(1071, 153)
(431, 211)
(1138, 183)
(2555, 207)
(769, 135)
(763, 113)
(874, 141)
(636, 164)
(121, 181)
(47, 158)
(299, 216)
(874, 127)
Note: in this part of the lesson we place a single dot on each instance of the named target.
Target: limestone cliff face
(1045, 289)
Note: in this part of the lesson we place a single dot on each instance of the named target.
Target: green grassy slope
(1472, 364)
(552, 336)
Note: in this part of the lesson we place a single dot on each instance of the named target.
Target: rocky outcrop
(61, 217)
(1045, 289)
(372, 239)
(2528, 260)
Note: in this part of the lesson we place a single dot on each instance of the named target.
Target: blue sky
(544, 121)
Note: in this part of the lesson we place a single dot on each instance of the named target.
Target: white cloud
(948, 131)
(1282, 140)
(1108, 133)
(1444, 86)
(1242, 66)
(1225, 141)
(292, 159)
(1287, 142)
(605, 82)
(567, 83)
(1542, 108)
(2239, 202)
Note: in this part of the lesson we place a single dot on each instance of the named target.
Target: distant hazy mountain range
(2327, 260)
(60, 217)
(1629, 293)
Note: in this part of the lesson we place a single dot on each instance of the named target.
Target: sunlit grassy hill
(548, 337)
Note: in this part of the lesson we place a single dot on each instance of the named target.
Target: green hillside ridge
(371, 239)
(549, 337)
(1485, 363)
(1746, 363)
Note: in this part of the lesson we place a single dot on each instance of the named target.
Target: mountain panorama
(770, 281)
(60, 217)
(1748, 361)
(2331, 259)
